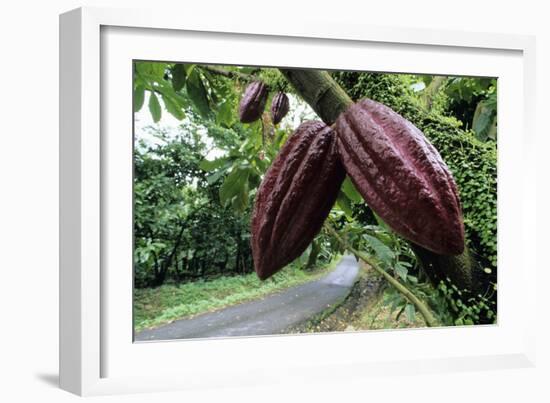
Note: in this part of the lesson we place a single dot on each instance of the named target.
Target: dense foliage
(192, 214)
(472, 162)
(178, 219)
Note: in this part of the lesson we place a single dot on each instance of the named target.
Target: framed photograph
(233, 202)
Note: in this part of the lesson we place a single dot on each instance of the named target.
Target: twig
(420, 306)
(229, 73)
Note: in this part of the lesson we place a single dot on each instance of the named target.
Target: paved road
(270, 315)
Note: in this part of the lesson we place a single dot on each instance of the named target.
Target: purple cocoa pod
(279, 107)
(295, 197)
(401, 176)
(253, 102)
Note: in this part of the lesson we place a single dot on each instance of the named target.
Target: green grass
(156, 306)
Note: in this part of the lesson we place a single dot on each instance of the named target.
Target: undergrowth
(157, 306)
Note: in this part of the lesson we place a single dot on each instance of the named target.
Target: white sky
(299, 111)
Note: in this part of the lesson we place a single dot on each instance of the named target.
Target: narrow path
(270, 315)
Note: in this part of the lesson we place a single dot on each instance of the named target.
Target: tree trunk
(237, 258)
(328, 100)
(160, 275)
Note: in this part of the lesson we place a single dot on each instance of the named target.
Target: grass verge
(366, 307)
(380, 316)
(157, 306)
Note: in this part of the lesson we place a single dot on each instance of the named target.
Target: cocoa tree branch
(401, 288)
(320, 91)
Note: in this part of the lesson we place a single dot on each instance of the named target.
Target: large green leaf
(208, 166)
(383, 252)
(189, 68)
(410, 312)
(344, 203)
(240, 200)
(226, 114)
(484, 120)
(215, 176)
(350, 191)
(173, 107)
(197, 93)
(382, 222)
(152, 71)
(154, 107)
(304, 257)
(139, 97)
(401, 271)
(178, 76)
(233, 184)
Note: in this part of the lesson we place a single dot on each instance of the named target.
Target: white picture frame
(96, 354)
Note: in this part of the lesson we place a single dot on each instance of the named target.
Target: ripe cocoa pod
(279, 107)
(401, 176)
(253, 102)
(295, 197)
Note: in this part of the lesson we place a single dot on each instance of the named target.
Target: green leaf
(178, 76)
(410, 312)
(427, 79)
(344, 204)
(173, 107)
(412, 279)
(233, 184)
(304, 257)
(189, 68)
(139, 97)
(384, 253)
(246, 70)
(198, 94)
(381, 222)
(483, 119)
(401, 271)
(240, 200)
(226, 114)
(350, 191)
(154, 107)
(215, 176)
(153, 71)
(208, 166)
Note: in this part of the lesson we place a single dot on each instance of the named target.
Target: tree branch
(320, 91)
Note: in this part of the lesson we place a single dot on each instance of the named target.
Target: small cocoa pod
(295, 197)
(401, 176)
(279, 107)
(253, 102)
